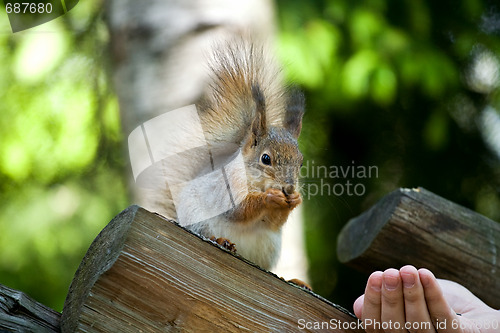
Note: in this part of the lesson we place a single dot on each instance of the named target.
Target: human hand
(415, 301)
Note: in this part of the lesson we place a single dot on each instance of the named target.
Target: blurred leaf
(357, 72)
(420, 19)
(393, 41)
(364, 26)
(384, 85)
(310, 53)
(39, 52)
(436, 131)
(438, 73)
(15, 162)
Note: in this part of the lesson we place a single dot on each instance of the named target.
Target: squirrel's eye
(266, 159)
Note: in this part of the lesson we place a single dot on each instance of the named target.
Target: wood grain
(20, 313)
(145, 273)
(420, 228)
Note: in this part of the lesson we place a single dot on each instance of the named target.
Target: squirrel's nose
(289, 189)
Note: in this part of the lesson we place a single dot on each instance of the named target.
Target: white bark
(159, 48)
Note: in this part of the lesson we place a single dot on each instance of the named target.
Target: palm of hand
(475, 316)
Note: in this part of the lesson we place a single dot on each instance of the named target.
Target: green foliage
(61, 163)
(400, 85)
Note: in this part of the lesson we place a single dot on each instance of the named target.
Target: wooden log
(145, 273)
(20, 313)
(420, 228)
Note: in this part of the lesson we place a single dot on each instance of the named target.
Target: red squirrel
(249, 116)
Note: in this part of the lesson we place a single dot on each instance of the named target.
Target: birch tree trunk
(159, 50)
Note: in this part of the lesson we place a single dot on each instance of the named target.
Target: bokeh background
(411, 87)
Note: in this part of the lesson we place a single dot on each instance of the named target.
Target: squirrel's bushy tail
(228, 107)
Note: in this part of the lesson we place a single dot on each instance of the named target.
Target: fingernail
(375, 287)
(375, 281)
(408, 280)
(390, 282)
(426, 277)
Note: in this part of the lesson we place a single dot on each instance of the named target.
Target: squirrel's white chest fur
(254, 241)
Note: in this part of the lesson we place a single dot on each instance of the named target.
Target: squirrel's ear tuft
(259, 126)
(295, 108)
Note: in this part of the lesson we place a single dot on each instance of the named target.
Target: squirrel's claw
(225, 243)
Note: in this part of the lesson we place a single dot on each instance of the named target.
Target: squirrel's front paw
(293, 200)
(275, 198)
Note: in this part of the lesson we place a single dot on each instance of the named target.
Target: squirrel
(249, 116)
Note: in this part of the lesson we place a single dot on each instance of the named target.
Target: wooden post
(145, 273)
(20, 313)
(420, 228)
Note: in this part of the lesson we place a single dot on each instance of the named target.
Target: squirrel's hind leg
(301, 284)
(225, 243)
